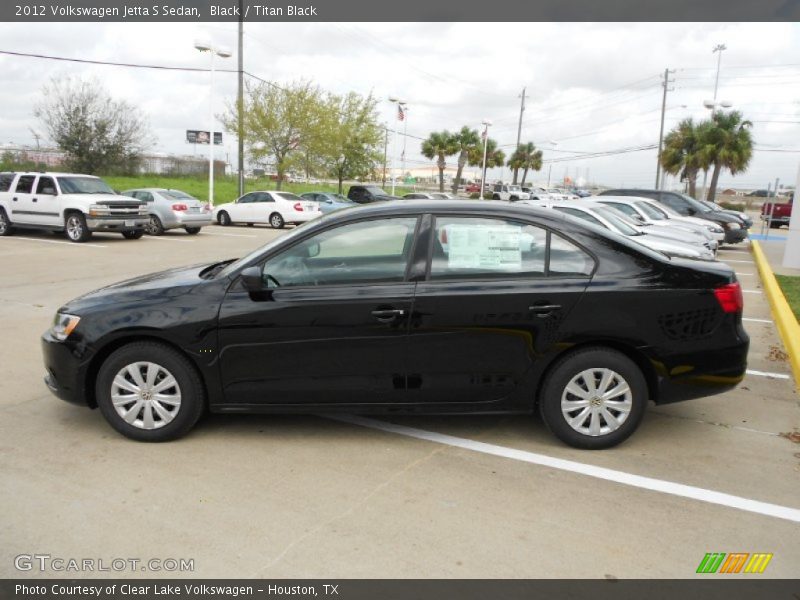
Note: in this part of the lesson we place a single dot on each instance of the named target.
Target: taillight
(298, 207)
(730, 297)
(180, 207)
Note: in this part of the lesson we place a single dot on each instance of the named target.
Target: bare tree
(97, 133)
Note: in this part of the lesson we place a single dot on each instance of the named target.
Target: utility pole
(718, 49)
(240, 102)
(519, 127)
(385, 152)
(665, 84)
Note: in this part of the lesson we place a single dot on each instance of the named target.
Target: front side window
(46, 186)
(466, 247)
(366, 252)
(246, 199)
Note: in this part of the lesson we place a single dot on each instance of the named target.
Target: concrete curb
(787, 324)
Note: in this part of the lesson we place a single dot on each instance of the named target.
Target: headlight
(96, 210)
(733, 226)
(63, 325)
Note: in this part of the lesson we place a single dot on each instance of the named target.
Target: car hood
(172, 282)
(721, 217)
(107, 198)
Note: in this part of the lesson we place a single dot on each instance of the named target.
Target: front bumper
(734, 236)
(66, 366)
(114, 223)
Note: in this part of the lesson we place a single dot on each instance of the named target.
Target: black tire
(154, 226)
(193, 230)
(250, 224)
(223, 218)
(774, 225)
(189, 385)
(571, 366)
(5, 224)
(76, 228)
(133, 235)
(276, 221)
(495, 197)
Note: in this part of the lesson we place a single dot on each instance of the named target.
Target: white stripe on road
(749, 262)
(76, 244)
(766, 374)
(229, 234)
(757, 320)
(751, 291)
(745, 274)
(638, 481)
(163, 239)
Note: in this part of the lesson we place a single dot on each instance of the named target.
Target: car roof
(52, 174)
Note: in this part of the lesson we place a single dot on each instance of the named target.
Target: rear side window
(6, 179)
(466, 247)
(25, 184)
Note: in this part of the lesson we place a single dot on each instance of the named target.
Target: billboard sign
(201, 137)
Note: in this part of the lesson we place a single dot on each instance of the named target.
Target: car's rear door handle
(543, 310)
(387, 315)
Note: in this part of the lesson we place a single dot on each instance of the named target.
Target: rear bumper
(775, 219)
(192, 220)
(301, 217)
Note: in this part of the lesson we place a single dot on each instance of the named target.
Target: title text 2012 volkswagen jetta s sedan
(409, 307)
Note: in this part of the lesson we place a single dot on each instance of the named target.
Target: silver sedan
(172, 209)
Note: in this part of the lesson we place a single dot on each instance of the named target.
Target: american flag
(401, 114)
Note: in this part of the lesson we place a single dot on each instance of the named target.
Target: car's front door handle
(35, 199)
(388, 315)
(544, 310)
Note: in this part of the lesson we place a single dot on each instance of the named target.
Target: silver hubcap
(146, 395)
(74, 228)
(3, 223)
(596, 402)
(152, 225)
(276, 221)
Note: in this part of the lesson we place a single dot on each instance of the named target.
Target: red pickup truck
(781, 212)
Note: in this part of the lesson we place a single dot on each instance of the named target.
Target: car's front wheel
(223, 219)
(149, 392)
(593, 398)
(77, 230)
(133, 235)
(5, 224)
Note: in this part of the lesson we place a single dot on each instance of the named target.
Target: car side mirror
(252, 280)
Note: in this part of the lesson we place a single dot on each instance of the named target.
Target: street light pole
(718, 49)
(486, 123)
(222, 53)
(400, 104)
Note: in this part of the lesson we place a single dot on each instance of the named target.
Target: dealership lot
(317, 497)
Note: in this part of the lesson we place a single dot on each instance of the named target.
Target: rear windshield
(289, 196)
(84, 185)
(651, 211)
(617, 220)
(177, 195)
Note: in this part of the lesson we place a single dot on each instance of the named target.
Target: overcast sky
(591, 87)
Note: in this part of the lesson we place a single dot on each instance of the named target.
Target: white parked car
(273, 207)
(501, 191)
(561, 194)
(75, 204)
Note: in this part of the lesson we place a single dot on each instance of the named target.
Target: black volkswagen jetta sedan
(409, 307)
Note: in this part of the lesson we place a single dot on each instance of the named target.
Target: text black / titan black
(409, 307)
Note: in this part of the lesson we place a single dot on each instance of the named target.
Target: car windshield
(618, 220)
(698, 206)
(289, 196)
(376, 191)
(84, 185)
(177, 195)
(651, 211)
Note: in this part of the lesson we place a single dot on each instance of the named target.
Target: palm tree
(681, 153)
(516, 161)
(726, 143)
(440, 145)
(532, 159)
(494, 157)
(466, 140)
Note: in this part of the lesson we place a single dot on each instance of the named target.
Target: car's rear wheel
(223, 218)
(76, 228)
(593, 398)
(133, 235)
(193, 230)
(276, 221)
(5, 224)
(149, 392)
(154, 226)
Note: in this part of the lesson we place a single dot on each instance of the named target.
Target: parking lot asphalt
(310, 496)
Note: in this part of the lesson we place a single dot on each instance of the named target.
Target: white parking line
(638, 481)
(751, 291)
(162, 239)
(229, 234)
(749, 262)
(744, 274)
(766, 374)
(757, 320)
(77, 245)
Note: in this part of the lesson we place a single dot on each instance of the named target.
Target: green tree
(467, 140)
(531, 159)
(516, 162)
(350, 138)
(97, 133)
(280, 123)
(725, 143)
(440, 145)
(494, 157)
(681, 152)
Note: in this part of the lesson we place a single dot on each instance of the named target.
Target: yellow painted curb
(785, 320)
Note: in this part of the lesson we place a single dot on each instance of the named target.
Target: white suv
(502, 191)
(76, 204)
